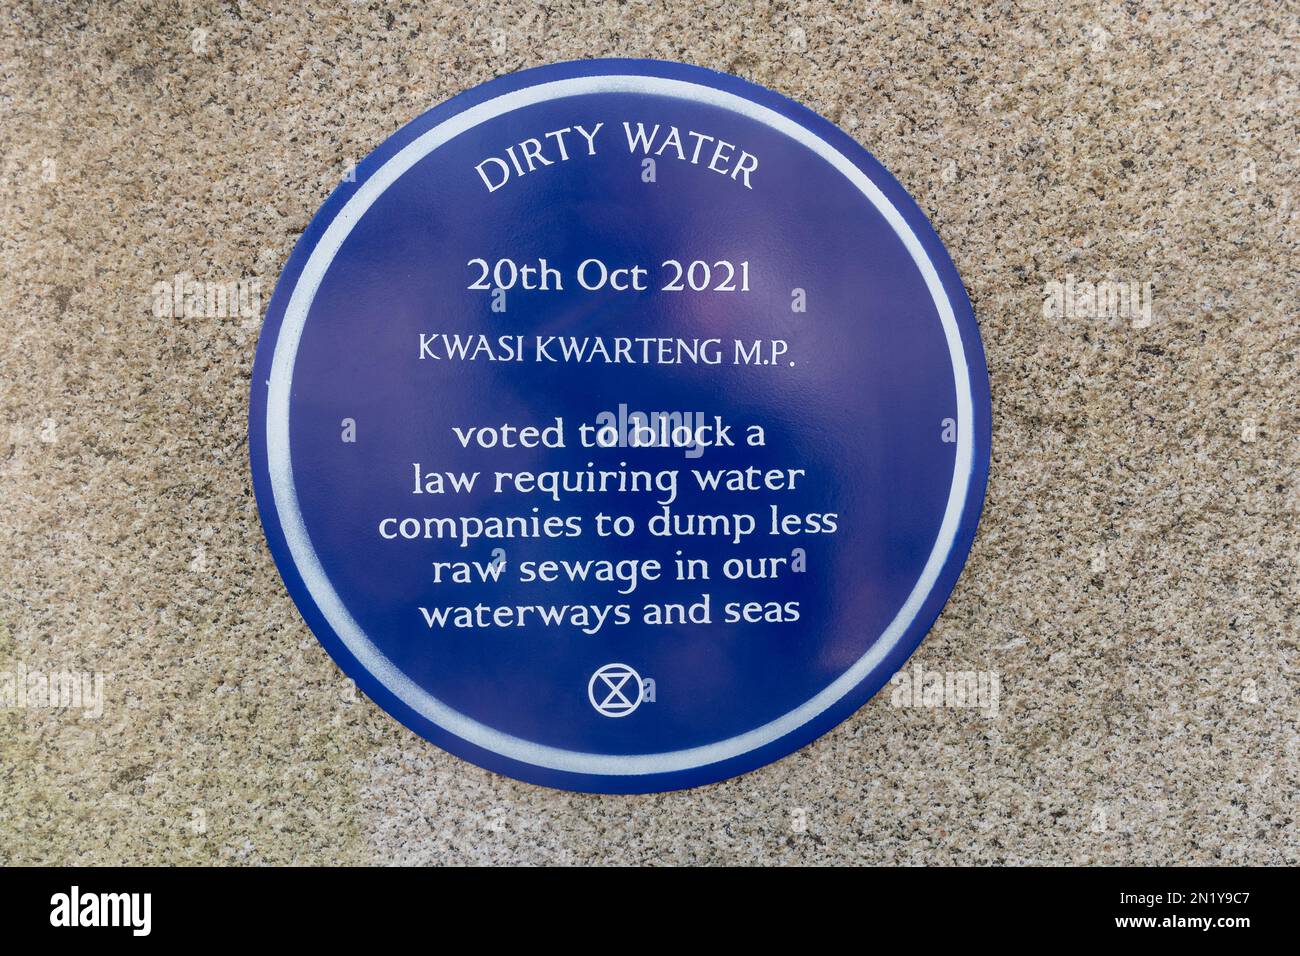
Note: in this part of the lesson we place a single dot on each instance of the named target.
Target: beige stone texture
(1134, 582)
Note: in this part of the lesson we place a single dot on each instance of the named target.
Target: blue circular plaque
(620, 426)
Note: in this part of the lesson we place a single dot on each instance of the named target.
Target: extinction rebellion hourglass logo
(615, 690)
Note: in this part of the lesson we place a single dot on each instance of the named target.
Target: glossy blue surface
(859, 402)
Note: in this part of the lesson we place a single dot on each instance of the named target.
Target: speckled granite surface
(1134, 584)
